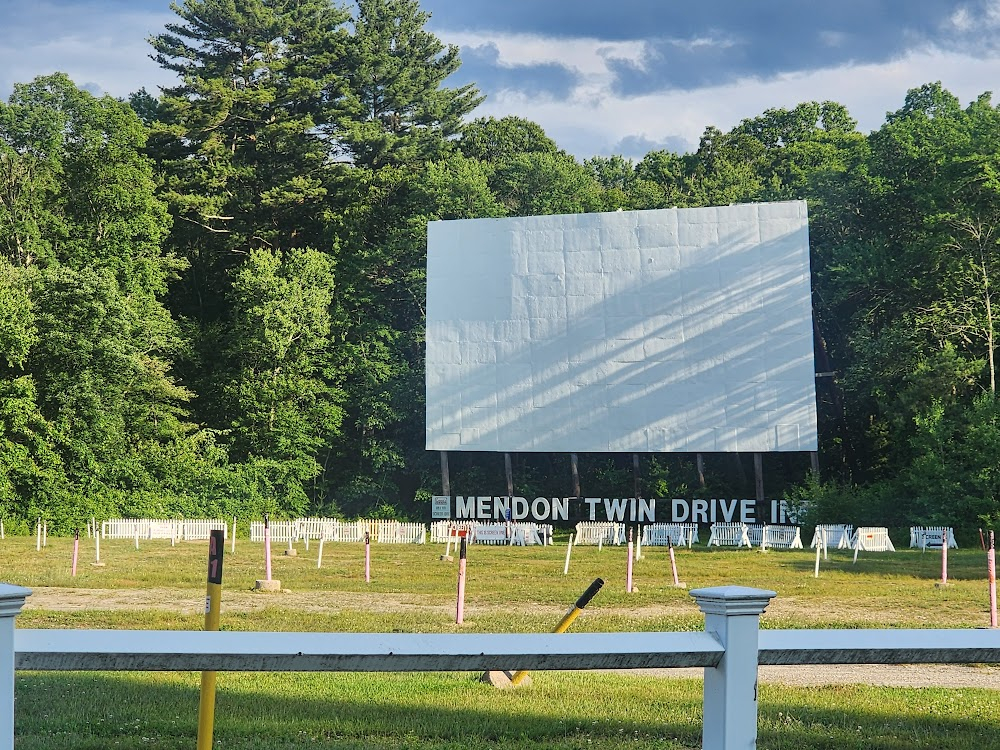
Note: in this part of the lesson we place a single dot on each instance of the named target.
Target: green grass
(508, 590)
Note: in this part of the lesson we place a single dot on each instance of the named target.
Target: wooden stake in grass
(45, 533)
(566, 621)
(460, 605)
(319, 556)
(628, 565)
(673, 565)
(38, 535)
(569, 548)
(213, 599)
(76, 549)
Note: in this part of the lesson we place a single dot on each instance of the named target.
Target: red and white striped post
(267, 548)
(628, 566)
(991, 565)
(76, 549)
(368, 558)
(460, 605)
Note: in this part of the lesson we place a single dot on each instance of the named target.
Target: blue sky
(601, 77)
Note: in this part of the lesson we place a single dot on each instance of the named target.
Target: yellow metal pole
(213, 600)
(564, 624)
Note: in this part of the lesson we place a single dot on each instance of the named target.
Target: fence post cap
(732, 600)
(12, 599)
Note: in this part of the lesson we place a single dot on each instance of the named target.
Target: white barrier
(157, 528)
(730, 649)
(281, 531)
(493, 533)
(780, 537)
(729, 535)
(932, 536)
(873, 539)
(838, 535)
(599, 532)
(335, 530)
(677, 534)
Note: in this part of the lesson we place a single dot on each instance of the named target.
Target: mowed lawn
(507, 590)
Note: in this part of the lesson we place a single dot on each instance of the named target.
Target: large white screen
(674, 330)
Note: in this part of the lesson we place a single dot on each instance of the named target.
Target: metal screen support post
(732, 615)
(11, 601)
(445, 478)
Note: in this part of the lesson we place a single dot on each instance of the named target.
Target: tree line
(211, 299)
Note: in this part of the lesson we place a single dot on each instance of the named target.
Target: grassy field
(508, 590)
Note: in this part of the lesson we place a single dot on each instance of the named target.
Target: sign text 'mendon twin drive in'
(620, 509)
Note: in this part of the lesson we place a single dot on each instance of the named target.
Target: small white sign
(440, 506)
(491, 534)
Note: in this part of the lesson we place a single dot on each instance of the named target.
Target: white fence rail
(838, 535)
(730, 649)
(677, 534)
(495, 533)
(767, 536)
(160, 528)
(599, 532)
(932, 536)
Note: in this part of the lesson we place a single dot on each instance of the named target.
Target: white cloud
(587, 56)
(81, 40)
(593, 118)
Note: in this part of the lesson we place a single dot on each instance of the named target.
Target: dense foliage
(211, 301)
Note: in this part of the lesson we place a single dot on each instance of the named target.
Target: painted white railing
(729, 535)
(932, 536)
(677, 534)
(837, 535)
(767, 536)
(599, 532)
(730, 649)
(521, 532)
(160, 528)
(335, 530)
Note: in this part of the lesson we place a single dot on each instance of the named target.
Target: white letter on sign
(679, 510)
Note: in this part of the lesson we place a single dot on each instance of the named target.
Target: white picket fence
(872, 539)
(599, 532)
(776, 536)
(335, 530)
(677, 534)
(730, 535)
(159, 528)
(730, 648)
(492, 533)
(838, 535)
(932, 536)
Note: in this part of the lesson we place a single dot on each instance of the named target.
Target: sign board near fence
(619, 509)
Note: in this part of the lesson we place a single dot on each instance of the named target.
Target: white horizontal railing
(730, 649)
(87, 650)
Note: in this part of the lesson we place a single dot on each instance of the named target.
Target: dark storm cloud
(481, 66)
(697, 44)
